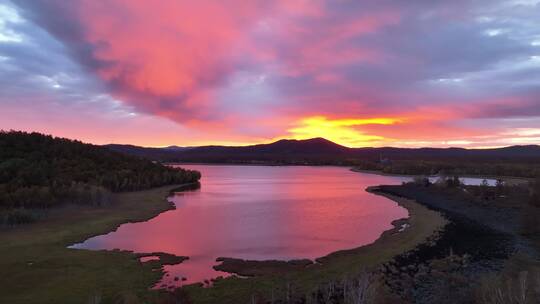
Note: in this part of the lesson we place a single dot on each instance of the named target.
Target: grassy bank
(37, 267)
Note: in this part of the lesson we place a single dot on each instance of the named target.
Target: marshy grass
(18, 216)
(523, 288)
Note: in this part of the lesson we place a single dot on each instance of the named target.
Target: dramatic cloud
(362, 73)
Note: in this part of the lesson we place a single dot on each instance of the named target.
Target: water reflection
(257, 212)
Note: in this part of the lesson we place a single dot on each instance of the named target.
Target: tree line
(41, 171)
(460, 167)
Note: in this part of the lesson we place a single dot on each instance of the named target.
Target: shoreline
(28, 251)
(252, 164)
(143, 205)
(424, 226)
(510, 179)
(470, 249)
(167, 190)
(271, 280)
(103, 270)
(417, 214)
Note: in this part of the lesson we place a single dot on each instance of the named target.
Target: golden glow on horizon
(341, 131)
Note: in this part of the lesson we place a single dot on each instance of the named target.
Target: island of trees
(39, 171)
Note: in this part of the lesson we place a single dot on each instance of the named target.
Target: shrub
(19, 216)
(534, 192)
(421, 181)
(522, 289)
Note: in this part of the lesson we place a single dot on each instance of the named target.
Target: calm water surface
(260, 213)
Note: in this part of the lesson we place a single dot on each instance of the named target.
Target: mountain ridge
(321, 151)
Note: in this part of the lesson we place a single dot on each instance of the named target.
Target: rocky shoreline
(446, 268)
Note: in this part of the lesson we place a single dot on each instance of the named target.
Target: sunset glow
(361, 73)
(342, 131)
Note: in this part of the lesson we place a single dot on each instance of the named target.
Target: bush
(522, 289)
(534, 192)
(18, 216)
(421, 181)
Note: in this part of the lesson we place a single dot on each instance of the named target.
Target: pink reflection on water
(260, 213)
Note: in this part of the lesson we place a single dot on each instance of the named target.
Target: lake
(260, 213)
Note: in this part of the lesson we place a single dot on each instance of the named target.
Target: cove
(260, 213)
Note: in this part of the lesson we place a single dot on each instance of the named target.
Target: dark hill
(319, 146)
(149, 153)
(316, 150)
(322, 151)
(37, 170)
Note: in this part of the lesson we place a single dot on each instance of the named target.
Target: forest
(39, 171)
(460, 167)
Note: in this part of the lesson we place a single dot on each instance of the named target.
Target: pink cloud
(180, 61)
(169, 58)
(163, 57)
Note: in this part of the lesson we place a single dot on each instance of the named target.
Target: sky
(237, 72)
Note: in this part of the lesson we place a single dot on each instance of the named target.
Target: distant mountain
(308, 146)
(506, 153)
(515, 151)
(322, 151)
(176, 148)
(314, 146)
(150, 153)
(284, 151)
